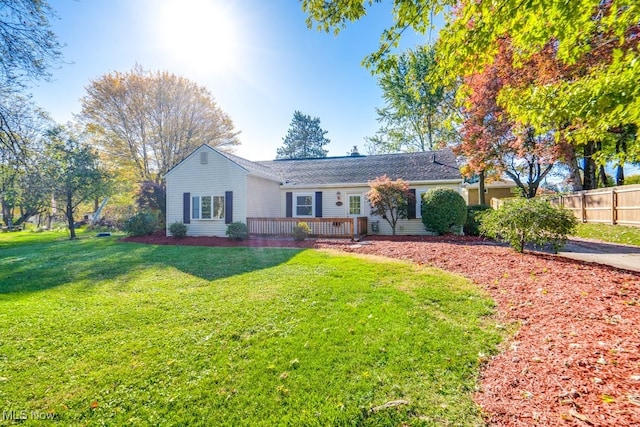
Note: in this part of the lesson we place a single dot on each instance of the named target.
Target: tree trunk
(620, 175)
(69, 212)
(621, 147)
(589, 167)
(575, 179)
(6, 213)
(602, 176)
(481, 196)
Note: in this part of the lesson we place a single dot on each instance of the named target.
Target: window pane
(304, 200)
(206, 207)
(195, 207)
(303, 211)
(304, 205)
(218, 207)
(354, 205)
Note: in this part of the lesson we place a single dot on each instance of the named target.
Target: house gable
(206, 191)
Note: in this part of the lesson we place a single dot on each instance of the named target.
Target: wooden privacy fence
(320, 227)
(611, 205)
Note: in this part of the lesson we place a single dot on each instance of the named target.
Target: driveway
(616, 255)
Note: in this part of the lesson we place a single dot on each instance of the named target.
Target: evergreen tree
(305, 139)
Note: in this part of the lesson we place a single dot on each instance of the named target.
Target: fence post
(614, 206)
(583, 206)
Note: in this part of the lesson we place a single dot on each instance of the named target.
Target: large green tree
(305, 139)
(146, 122)
(73, 171)
(594, 43)
(418, 107)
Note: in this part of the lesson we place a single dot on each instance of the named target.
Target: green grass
(610, 233)
(99, 332)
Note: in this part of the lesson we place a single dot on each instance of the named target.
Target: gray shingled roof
(422, 166)
(255, 168)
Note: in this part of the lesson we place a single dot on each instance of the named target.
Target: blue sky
(256, 57)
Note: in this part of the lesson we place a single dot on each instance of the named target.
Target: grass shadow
(37, 264)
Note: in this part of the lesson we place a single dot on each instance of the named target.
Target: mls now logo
(15, 415)
(26, 415)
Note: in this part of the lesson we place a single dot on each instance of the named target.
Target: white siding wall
(211, 179)
(331, 210)
(263, 198)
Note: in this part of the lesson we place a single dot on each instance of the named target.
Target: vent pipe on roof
(433, 158)
(354, 151)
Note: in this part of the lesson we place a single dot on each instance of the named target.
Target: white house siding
(212, 179)
(263, 198)
(331, 210)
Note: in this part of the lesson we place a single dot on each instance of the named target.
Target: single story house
(210, 189)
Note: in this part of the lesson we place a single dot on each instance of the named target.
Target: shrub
(141, 224)
(178, 229)
(523, 221)
(237, 231)
(471, 226)
(301, 231)
(443, 211)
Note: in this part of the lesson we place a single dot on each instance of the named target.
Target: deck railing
(320, 227)
(363, 223)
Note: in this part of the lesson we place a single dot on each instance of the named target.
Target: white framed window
(207, 207)
(355, 204)
(303, 204)
(419, 194)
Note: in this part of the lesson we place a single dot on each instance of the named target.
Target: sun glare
(201, 34)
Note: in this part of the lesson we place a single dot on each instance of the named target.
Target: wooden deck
(320, 227)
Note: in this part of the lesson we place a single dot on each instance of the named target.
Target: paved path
(616, 255)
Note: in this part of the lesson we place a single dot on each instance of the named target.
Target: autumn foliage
(389, 199)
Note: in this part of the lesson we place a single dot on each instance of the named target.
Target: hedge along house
(210, 189)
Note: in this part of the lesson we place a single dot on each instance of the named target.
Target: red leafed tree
(389, 199)
(491, 140)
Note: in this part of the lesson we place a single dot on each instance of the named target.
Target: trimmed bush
(141, 224)
(523, 221)
(237, 231)
(443, 211)
(474, 212)
(178, 229)
(301, 231)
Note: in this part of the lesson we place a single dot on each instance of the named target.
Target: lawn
(610, 233)
(100, 332)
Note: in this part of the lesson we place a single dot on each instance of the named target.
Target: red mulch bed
(575, 358)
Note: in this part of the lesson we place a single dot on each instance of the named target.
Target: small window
(304, 205)
(218, 207)
(204, 157)
(206, 207)
(354, 205)
(419, 195)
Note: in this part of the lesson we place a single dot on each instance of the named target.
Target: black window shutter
(318, 204)
(411, 204)
(289, 199)
(228, 207)
(186, 208)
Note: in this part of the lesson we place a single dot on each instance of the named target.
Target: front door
(354, 209)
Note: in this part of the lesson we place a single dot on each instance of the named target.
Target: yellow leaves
(607, 398)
